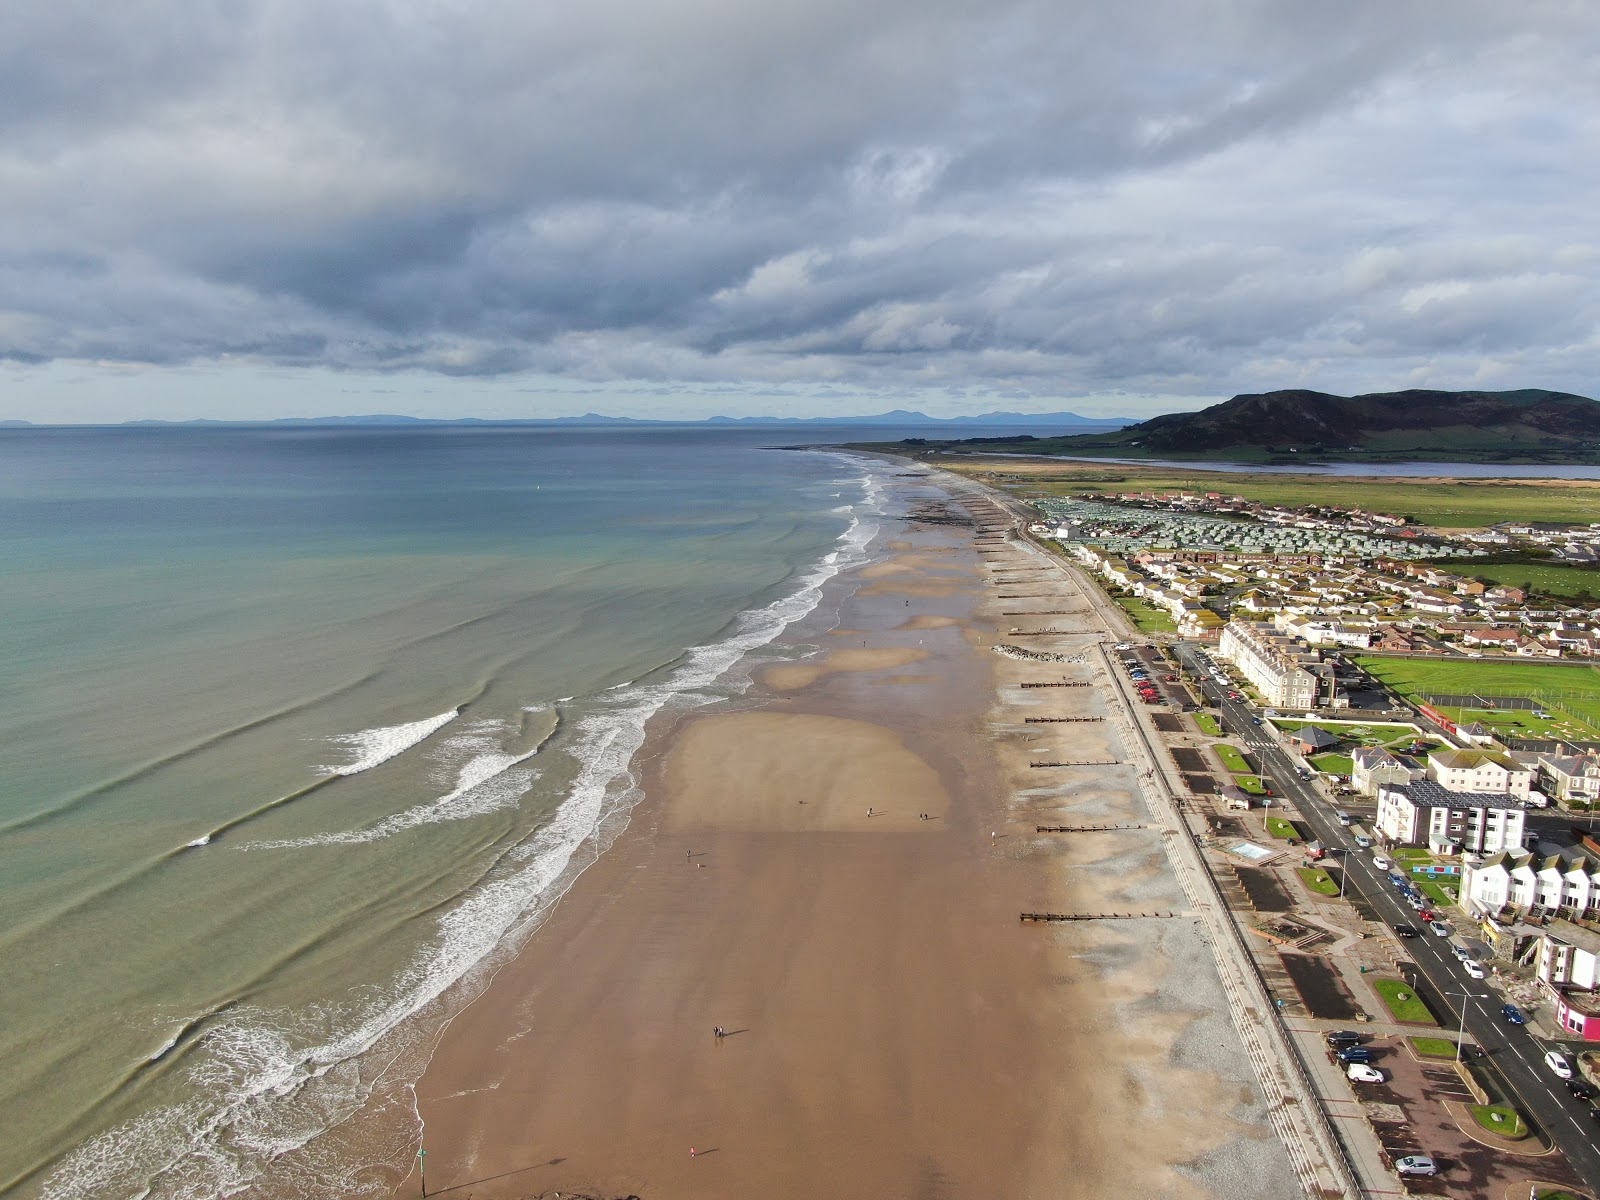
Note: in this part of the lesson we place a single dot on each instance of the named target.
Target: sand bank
(894, 1030)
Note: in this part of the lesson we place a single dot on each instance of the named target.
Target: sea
(304, 731)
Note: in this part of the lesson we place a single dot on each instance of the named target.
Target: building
(1521, 883)
(1373, 766)
(1569, 777)
(1424, 813)
(1286, 672)
(1479, 771)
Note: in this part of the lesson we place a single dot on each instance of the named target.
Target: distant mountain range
(1526, 425)
(899, 417)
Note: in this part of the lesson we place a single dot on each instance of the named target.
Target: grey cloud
(1026, 197)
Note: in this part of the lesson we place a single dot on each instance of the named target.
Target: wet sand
(893, 1029)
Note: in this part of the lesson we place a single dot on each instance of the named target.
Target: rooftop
(1425, 792)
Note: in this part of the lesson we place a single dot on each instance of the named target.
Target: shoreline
(894, 1027)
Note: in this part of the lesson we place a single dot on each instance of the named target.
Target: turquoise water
(303, 728)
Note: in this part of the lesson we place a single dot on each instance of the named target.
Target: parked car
(1355, 1054)
(1475, 969)
(1380, 862)
(1427, 914)
(1415, 1164)
(1344, 1037)
(1559, 1064)
(1461, 952)
(1441, 929)
(1513, 1014)
(1582, 1089)
(1395, 880)
(1361, 1073)
(1405, 931)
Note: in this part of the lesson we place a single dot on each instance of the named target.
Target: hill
(1526, 425)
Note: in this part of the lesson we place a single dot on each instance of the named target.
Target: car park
(1415, 1164)
(1362, 1073)
(1405, 931)
(1559, 1064)
(1512, 1014)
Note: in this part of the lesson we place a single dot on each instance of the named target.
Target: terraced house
(1287, 672)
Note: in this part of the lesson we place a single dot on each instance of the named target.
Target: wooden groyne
(1049, 612)
(1050, 632)
(1080, 762)
(1060, 720)
(1100, 916)
(1063, 683)
(1083, 828)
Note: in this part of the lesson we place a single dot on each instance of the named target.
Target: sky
(677, 208)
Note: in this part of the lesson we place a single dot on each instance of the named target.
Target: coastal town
(1392, 767)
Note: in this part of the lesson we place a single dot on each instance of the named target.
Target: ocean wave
(484, 782)
(269, 1084)
(373, 747)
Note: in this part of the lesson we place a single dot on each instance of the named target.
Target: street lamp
(1466, 998)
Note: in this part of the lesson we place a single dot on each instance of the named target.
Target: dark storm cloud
(1052, 198)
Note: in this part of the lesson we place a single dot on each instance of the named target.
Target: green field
(1208, 724)
(1411, 1010)
(1333, 764)
(1439, 893)
(1319, 881)
(1232, 759)
(1251, 784)
(1500, 1119)
(1427, 1047)
(1367, 735)
(1280, 828)
(1575, 687)
(1567, 582)
(1148, 619)
(1457, 505)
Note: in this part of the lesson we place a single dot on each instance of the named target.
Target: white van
(1344, 818)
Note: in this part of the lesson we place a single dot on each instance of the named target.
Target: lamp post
(1466, 998)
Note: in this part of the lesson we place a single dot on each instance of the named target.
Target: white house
(1425, 813)
(1479, 771)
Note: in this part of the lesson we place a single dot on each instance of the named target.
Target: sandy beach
(832, 872)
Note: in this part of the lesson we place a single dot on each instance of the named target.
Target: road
(1513, 1050)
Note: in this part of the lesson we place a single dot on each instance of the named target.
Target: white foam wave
(372, 747)
(198, 842)
(484, 782)
(267, 1085)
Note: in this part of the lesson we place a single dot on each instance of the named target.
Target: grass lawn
(1251, 784)
(1369, 735)
(1208, 724)
(1279, 828)
(1411, 854)
(1231, 758)
(1501, 1119)
(1410, 1010)
(1557, 1195)
(1427, 1047)
(1576, 686)
(1437, 892)
(1148, 619)
(1333, 764)
(1319, 881)
(1468, 504)
(1518, 723)
(1538, 577)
